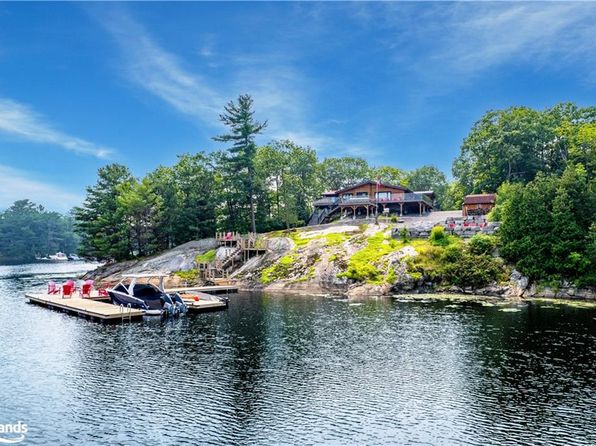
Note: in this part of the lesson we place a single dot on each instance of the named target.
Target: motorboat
(74, 258)
(137, 291)
(58, 257)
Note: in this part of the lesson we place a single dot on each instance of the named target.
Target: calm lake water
(298, 370)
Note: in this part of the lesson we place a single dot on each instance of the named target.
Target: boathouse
(478, 204)
(369, 199)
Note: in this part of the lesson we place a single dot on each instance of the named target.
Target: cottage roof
(480, 199)
(362, 183)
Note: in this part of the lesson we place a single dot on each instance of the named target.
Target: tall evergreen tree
(239, 117)
(100, 220)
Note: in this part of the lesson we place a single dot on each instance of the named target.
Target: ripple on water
(300, 370)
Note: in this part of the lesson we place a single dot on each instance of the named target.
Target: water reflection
(299, 370)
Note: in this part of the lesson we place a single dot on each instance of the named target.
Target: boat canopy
(135, 277)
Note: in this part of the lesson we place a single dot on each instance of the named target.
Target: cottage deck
(91, 308)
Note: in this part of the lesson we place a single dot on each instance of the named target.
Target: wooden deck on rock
(91, 308)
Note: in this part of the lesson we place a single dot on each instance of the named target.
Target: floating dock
(204, 305)
(90, 308)
(213, 289)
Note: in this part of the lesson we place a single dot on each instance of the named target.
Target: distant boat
(58, 257)
(74, 258)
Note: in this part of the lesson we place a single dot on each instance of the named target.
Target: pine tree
(100, 220)
(239, 117)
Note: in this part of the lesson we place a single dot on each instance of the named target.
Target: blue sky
(82, 85)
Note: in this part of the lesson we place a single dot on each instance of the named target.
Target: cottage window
(362, 194)
(383, 196)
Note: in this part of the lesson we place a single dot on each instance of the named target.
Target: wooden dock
(203, 306)
(213, 289)
(90, 308)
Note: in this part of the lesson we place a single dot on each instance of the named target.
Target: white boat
(58, 257)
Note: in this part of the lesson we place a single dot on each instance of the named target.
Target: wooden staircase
(244, 247)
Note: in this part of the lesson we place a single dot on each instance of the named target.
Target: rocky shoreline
(313, 262)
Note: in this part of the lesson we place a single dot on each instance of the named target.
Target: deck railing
(411, 197)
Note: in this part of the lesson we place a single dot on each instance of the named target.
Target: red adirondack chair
(68, 288)
(86, 288)
(102, 291)
(53, 288)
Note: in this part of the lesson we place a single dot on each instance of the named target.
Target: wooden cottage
(369, 199)
(478, 204)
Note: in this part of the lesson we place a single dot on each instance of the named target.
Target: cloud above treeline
(22, 122)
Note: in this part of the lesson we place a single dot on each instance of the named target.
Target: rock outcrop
(316, 260)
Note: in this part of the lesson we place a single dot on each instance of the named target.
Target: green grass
(206, 257)
(301, 239)
(190, 274)
(361, 266)
(279, 270)
(336, 238)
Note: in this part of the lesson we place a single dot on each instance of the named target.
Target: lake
(299, 370)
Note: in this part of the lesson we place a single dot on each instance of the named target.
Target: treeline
(542, 166)
(243, 187)
(27, 230)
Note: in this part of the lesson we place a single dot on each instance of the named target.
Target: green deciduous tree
(141, 209)
(428, 178)
(390, 175)
(515, 144)
(288, 174)
(337, 173)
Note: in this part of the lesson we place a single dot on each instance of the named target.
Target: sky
(87, 84)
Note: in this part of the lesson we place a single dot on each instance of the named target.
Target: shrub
(473, 271)
(452, 253)
(438, 237)
(405, 236)
(482, 244)
(393, 219)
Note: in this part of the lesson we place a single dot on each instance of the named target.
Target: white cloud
(481, 36)
(160, 72)
(279, 89)
(22, 122)
(453, 42)
(17, 185)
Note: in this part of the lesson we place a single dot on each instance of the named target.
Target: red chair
(86, 288)
(68, 288)
(53, 288)
(102, 291)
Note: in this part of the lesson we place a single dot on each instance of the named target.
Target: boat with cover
(137, 291)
